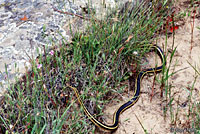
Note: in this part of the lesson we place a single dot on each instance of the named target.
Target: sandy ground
(150, 114)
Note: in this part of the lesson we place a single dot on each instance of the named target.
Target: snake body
(128, 104)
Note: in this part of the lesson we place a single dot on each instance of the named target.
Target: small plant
(96, 62)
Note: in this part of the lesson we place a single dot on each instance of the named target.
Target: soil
(149, 115)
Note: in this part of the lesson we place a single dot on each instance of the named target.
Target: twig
(17, 118)
(161, 90)
(45, 89)
(141, 124)
(72, 14)
(192, 26)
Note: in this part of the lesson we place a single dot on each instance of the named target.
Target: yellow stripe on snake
(128, 104)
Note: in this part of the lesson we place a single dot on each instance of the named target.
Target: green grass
(95, 62)
(194, 107)
(192, 122)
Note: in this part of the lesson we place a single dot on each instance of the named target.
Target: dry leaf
(120, 50)
(129, 38)
(24, 18)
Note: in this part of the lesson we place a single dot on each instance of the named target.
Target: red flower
(173, 28)
(170, 19)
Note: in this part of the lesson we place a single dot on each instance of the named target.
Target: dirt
(148, 115)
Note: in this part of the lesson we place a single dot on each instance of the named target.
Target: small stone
(1, 36)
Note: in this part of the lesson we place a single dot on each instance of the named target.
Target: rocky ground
(25, 27)
(29, 25)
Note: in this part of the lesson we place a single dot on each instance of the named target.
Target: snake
(129, 103)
